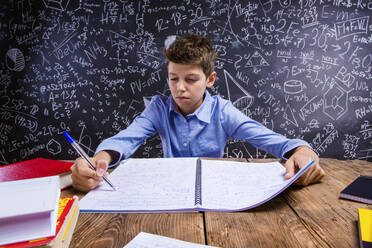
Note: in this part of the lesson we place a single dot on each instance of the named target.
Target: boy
(192, 123)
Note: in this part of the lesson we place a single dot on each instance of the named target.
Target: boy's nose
(181, 86)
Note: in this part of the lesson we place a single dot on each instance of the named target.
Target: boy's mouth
(181, 98)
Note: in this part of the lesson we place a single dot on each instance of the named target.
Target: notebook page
(145, 185)
(148, 240)
(236, 186)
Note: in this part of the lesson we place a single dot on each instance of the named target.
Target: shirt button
(185, 121)
(185, 144)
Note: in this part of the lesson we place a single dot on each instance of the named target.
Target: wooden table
(311, 216)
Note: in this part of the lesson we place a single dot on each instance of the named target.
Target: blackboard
(302, 68)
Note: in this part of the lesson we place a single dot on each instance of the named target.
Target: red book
(68, 212)
(38, 167)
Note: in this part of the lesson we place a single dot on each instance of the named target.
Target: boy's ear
(211, 79)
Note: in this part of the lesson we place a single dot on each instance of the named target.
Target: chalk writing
(301, 68)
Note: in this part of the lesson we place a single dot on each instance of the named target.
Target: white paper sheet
(145, 184)
(148, 240)
(230, 185)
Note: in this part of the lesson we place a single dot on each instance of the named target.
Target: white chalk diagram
(241, 102)
(291, 87)
(53, 147)
(314, 123)
(255, 61)
(2, 158)
(335, 103)
(250, 39)
(59, 5)
(267, 5)
(289, 116)
(366, 131)
(120, 41)
(133, 109)
(122, 44)
(15, 60)
(258, 154)
(365, 154)
(85, 141)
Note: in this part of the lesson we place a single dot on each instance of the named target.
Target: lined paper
(146, 185)
(158, 185)
(237, 186)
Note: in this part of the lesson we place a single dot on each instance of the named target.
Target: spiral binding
(198, 193)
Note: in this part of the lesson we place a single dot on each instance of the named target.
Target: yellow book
(365, 227)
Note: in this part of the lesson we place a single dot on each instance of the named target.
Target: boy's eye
(192, 79)
(173, 79)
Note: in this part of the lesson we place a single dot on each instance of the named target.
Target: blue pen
(81, 152)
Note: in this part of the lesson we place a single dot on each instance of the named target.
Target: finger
(304, 177)
(73, 168)
(300, 180)
(76, 183)
(84, 187)
(308, 178)
(83, 169)
(312, 175)
(289, 168)
(297, 183)
(319, 174)
(84, 183)
(76, 175)
(101, 167)
(91, 183)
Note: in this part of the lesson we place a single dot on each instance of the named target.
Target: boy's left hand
(300, 158)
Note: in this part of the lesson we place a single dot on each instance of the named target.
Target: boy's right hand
(85, 178)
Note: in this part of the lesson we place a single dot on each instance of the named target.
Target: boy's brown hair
(192, 49)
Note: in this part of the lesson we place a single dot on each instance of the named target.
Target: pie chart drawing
(15, 60)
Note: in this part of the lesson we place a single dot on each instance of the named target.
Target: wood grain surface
(312, 216)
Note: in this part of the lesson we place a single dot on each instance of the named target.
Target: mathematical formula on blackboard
(302, 68)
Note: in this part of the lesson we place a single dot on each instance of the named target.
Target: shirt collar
(172, 106)
(204, 111)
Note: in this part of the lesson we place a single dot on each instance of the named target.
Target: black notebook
(359, 190)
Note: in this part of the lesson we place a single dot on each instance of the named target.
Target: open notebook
(188, 184)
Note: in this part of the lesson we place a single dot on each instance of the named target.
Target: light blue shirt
(203, 133)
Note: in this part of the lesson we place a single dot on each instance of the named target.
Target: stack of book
(68, 213)
(360, 190)
(33, 214)
(38, 167)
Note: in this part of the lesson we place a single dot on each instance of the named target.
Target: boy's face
(187, 84)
